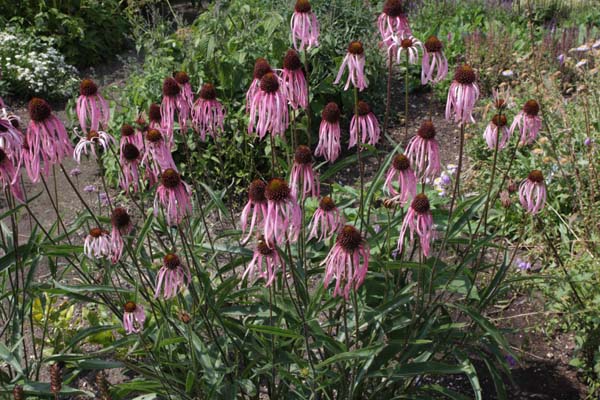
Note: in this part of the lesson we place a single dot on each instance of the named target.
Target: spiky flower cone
(55, 379)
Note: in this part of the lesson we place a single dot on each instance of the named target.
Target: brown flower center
(363, 108)
(130, 152)
(39, 109)
(303, 155)
(171, 261)
(170, 87)
(426, 130)
(130, 307)
(327, 204)
(401, 163)
(499, 120)
(331, 113)
(406, 43)
(120, 218)
(349, 238)
(420, 203)
(292, 61)
(531, 108)
(356, 48)
(393, 8)
(154, 136)
(500, 104)
(465, 75)
(87, 87)
(170, 178)
(263, 247)
(302, 6)
(92, 135)
(269, 83)
(256, 191)
(261, 67)
(154, 113)
(181, 77)
(208, 92)
(96, 232)
(433, 44)
(277, 190)
(536, 176)
(127, 130)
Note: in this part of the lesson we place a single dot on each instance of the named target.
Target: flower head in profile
(326, 220)
(174, 102)
(91, 107)
(172, 278)
(364, 124)
(392, 21)
(532, 192)
(434, 66)
(528, 121)
(293, 81)
(130, 160)
(183, 80)
(174, 196)
(87, 144)
(208, 114)
(261, 67)
(462, 95)
(347, 262)
(133, 317)
(9, 175)
(11, 139)
(329, 146)
(303, 175)
(502, 97)
(497, 132)
(268, 110)
(121, 225)
(265, 263)
(97, 244)
(154, 116)
(354, 61)
(423, 152)
(304, 26)
(401, 173)
(284, 216)
(405, 44)
(157, 155)
(130, 135)
(418, 220)
(256, 206)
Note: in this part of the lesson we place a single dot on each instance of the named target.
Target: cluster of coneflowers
(274, 211)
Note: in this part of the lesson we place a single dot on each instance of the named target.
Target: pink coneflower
(293, 81)
(46, 138)
(97, 244)
(91, 107)
(261, 68)
(491, 135)
(121, 225)
(154, 116)
(355, 62)
(11, 139)
(173, 101)
(401, 172)
(88, 143)
(329, 146)
(172, 277)
(528, 121)
(208, 113)
(159, 150)
(423, 152)
(257, 205)
(365, 125)
(418, 220)
(502, 97)
(9, 175)
(265, 263)
(133, 318)
(174, 195)
(185, 87)
(132, 136)
(434, 66)
(392, 21)
(269, 111)
(303, 174)
(405, 44)
(284, 216)
(532, 192)
(326, 220)
(130, 160)
(343, 263)
(304, 26)
(462, 95)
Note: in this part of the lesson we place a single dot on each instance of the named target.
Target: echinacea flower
(304, 26)
(502, 97)
(497, 132)
(392, 21)
(265, 263)
(133, 317)
(183, 80)
(462, 95)
(97, 244)
(355, 62)
(434, 66)
(91, 107)
(157, 148)
(88, 143)
(401, 172)
(347, 262)
(208, 114)
(528, 121)
(418, 220)
(172, 278)
(293, 81)
(173, 102)
(11, 139)
(284, 217)
(257, 205)
(130, 160)
(154, 116)
(132, 136)
(423, 152)
(405, 44)
(9, 175)
(174, 195)
(269, 111)
(46, 140)
(261, 67)
(329, 146)
(364, 123)
(532, 192)
(326, 220)
(303, 175)
(121, 225)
